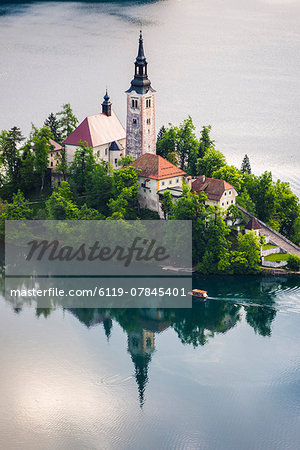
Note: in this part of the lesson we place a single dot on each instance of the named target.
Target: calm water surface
(223, 375)
(232, 64)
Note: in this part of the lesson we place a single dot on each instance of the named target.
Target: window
(177, 181)
(105, 152)
(116, 161)
(149, 190)
(51, 155)
(98, 153)
(148, 121)
(162, 183)
(148, 103)
(229, 193)
(227, 203)
(225, 194)
(231, 201)
(144, 190)
(222, 204)
(134, 121)
(148, 131)
(134, 103)
(51, 163)
(170, 182)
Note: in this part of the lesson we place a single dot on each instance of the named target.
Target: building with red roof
(218, 192)
(103, 132)
(156, 176)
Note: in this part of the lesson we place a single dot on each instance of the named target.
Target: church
(111, 142)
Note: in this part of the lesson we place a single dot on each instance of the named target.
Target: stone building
(140, 127)
(103, 132)
(157, 175)
(54, 154)
(219, 192)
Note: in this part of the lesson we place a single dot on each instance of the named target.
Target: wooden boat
(198, 293)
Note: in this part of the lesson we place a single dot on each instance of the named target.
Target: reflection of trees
(260, 319)
(204, 320)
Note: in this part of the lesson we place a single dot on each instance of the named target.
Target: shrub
(294, 262)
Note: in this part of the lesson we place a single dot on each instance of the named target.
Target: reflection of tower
(141, 344)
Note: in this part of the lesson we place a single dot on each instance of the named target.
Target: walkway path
(274, 236)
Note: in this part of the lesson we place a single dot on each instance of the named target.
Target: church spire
(106, 105)
(141, 83)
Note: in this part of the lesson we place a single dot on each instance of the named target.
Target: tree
(192, 207)
(27, 176)
(53, 124)
(60, 205)
(125, 161)
(172, 157)
(19, 209)
(234, 214)
(230, 174)
(246, 168)
(216, 248)
(100, 188)
(62, 165)
(245, 201)
(81, 168)
(161, 132)
(212, 161)
(10, 154)
(167, 203)
(205, 141)
(294, 263)
(41, 145)
(67, 122)
(167, 143)
(249, 245)
(187, 144)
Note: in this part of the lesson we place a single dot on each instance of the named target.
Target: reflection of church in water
(141, 345)
(140, 340)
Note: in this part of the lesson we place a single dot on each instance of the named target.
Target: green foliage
(205, 141)
(100, 188)
(234, 214)
(54, 126)
(10, 155)
(19, 209)
(249, 245)
(246, 168)
(192, 207)
(161, 132)
(211, 162)
(81, 168)
(167, 203)
(180, 141)
(294, 263)
(125, 161)
(230, 174)
(245, 201)
(62, 166)
(172, 157)
(67, 121)
(40, 140)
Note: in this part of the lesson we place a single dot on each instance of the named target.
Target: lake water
(234, 65)
(222, 375)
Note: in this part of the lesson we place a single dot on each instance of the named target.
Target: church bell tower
(140, 126)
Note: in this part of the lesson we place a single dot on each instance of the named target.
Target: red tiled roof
(154, 166)
(253, 224)
(97, 130)
(55, 144)
(212, 187)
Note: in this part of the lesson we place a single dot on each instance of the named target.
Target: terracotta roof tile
(154, 166)
(212, 187)
(55, 144)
